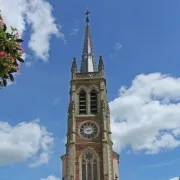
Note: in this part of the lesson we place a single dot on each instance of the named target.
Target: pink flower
(12, 59)
(3, 54)
(22, 51)
(8, 68)
(17, 35)
(19, 46)
(17, 68)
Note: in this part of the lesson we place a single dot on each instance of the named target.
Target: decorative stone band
(87, 75)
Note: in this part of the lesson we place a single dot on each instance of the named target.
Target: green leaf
(5, 82)
(11, 77)
(1, 84)
(20, 59)
(19, 40)
(13, 29)
(9, 35)
(5, 28)
(2, 38)
(5, 76)
(12, 70)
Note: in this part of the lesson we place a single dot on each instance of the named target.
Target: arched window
(93, 102)
(89, 166)
(82, 102)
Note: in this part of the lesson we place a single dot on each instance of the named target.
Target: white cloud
(75, 30)
(116, 49)
(51, 177)
(146, 116)
(23, 142)
(29, 64)
(175, 178)
(38, 15)
(161, 164)
(117, 46)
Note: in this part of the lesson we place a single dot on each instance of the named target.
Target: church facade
(89, 153)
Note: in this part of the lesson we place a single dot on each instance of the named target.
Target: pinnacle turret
(101, 63)
(74, 65)
(73, 68)
(101, 66)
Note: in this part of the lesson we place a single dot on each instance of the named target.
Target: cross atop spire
(87, 16)
(88, 63)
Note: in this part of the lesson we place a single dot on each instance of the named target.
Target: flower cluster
(10, 53)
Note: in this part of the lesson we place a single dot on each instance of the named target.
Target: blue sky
(135, 37)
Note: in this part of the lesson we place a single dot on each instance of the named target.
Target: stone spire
(88, 63)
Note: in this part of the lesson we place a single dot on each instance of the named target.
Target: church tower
(89, 154)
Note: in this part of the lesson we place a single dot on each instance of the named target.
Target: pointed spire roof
(88, 63)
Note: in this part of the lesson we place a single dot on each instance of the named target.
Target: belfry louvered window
(82, 102)
(93, 102)
(89, 167)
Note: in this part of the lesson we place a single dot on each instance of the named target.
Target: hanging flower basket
(10, 53)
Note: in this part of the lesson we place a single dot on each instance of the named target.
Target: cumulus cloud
(146, 116)
(25, 142)
(36, 14)
(175, 178)
(51, 177)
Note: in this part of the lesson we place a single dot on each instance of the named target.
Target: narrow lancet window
(89, 165)
(93, 102)
(95, 175)
(82, 102)
(89, 171)
(84, 171)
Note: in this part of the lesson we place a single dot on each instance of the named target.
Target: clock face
(88, 130)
